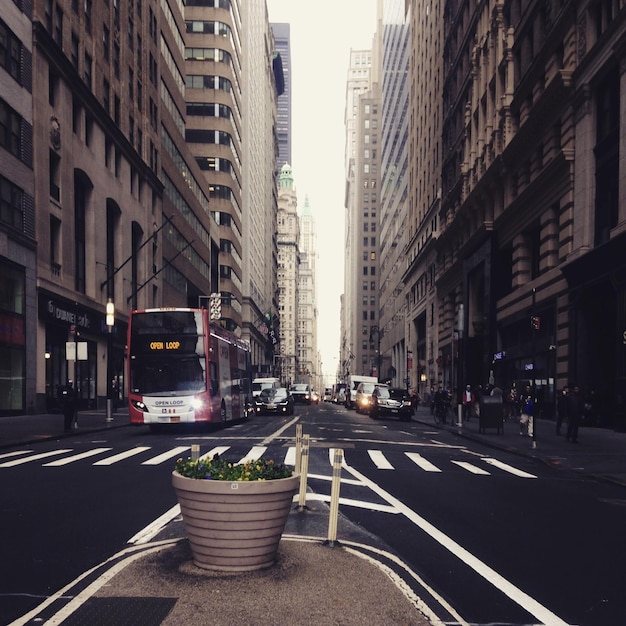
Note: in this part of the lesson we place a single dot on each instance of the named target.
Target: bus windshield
(167, 375)
(168, 354)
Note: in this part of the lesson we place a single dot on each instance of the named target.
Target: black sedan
(278, 401)
(393, 401)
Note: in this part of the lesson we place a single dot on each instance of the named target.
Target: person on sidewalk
(561, 409)
(526, 417)
(469, 399)
(68, 405)
(574, 413)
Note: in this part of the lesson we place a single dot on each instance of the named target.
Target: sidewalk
(352, 583)
(600, 452)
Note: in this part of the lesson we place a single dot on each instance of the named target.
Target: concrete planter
(234, 526)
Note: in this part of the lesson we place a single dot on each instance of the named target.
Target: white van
(353, 383)
(258, 384)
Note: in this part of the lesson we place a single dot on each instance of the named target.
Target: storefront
(12, 339)
(71, 330)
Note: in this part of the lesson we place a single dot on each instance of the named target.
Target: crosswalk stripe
(379, 460)
(76, 457)
(254, 455)
(290, 457)
(508, 468)
(420, 461)
(166, 456)
(472, 468)
(218, 450)
(377, 457)
(122, 455)
(34, 457)
(16, 453)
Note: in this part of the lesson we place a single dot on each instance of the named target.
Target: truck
(258, 384)
(351, 385)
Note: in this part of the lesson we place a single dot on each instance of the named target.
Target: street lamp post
(110, 322)
(378, 331)
(459, 375)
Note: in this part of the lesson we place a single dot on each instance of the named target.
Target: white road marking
(379, 460)
(10, 454)
(166, 456)
(290, 457)
(360, 504)
(254, 454)
(34, 457)
(153, 529)
(122, 455)
(211, 453)
(76, 457)
(528, 603)
(508, 468)
(420, 461)
(472, 468)
(347, 481)
(279, 432)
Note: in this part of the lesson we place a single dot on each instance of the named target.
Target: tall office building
(288, 235)
(125, 211)
(424, 196)
(263, 84)
(19, 356)
(307, 299)
(393, 59)
(282, 43)
(361, 162)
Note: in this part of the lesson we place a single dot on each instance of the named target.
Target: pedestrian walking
(469, 399)
(574, 413)
(561, 409)
(526, 417)
(68, 406)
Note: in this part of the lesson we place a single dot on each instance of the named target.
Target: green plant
(217, 468)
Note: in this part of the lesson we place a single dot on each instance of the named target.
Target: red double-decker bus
(182, 369)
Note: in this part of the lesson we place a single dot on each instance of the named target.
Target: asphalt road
(499, 538)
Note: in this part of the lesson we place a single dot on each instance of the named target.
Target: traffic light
(535, 322)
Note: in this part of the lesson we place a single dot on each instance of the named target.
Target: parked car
(363, 397)
(274, 400)
(393, 401)
(301, 392)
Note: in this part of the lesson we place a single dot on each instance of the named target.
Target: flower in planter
(217, 468)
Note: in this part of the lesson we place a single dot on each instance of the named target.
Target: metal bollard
(459, 416)
(304, 470)
(195, 451)
(334, 498)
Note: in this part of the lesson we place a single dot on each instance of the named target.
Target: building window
(10, 51)
(10, 123)
(11, 201)
(74, 51)
(80, 210)
(106, 43)
(55, 176)
(55, 245)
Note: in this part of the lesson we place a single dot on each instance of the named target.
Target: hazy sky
(322, 34)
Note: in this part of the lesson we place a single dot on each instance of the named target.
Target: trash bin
(491, 414)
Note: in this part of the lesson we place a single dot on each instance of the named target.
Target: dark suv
(301, 392)
(393, 401)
